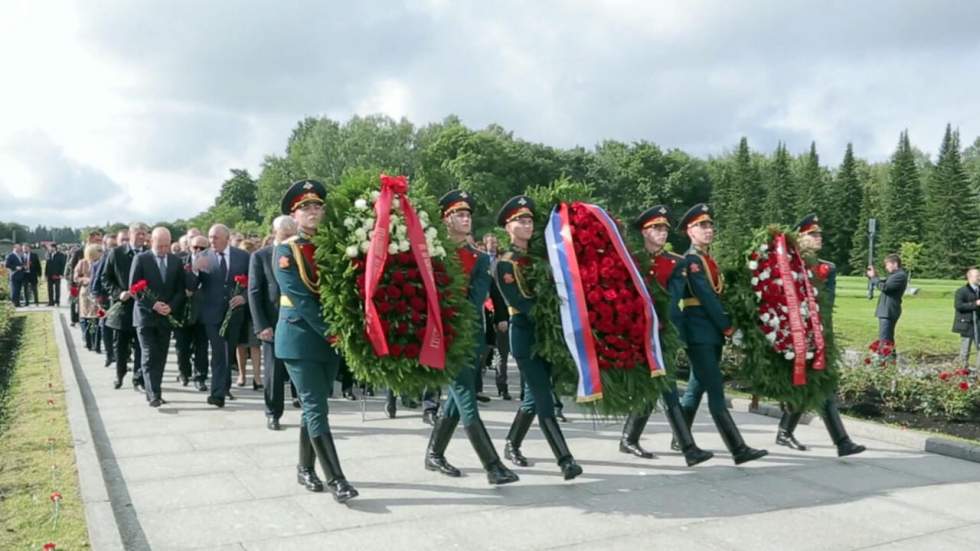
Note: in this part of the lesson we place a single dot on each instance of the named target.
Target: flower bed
(384, 339)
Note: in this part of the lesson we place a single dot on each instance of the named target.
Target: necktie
(224, 266)
(162, 264)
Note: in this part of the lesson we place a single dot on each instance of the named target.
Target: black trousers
(273, 379)
(886, 329)
(30, 290)
(126, 342)
(503, 349)
(154, 345)
(54, 292)
(192, 351)
(220, 368)
(108, 340)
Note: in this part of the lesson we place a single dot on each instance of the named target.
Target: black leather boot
(330, 463)
(552, 433)
(630, 441)
(480, 439)
(688, 417)
(683, 437)
(835, 426)
(305, 471)
(391, 406)
(518, 430)
(787, 426)
(442, 433)
(733, 439)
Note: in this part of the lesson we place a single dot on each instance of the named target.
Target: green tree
(901, 210)
(950, 211)
(847, 192)
(780, 203)
(240, 192)
(735, 198)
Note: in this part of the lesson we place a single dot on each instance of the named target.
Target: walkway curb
(868, 429)
(103, 531)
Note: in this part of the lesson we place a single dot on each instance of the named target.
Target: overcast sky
(125, 110)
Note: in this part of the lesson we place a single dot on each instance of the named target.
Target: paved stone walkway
(189, 476)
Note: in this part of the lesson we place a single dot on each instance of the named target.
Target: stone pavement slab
(190, 476)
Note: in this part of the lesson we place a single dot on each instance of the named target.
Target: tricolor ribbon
(797, 328)
(433, 352)
(572, 303)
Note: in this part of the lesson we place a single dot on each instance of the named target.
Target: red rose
(241, 280)
(412, 274)
(867, 361)
(395, 349)
(874, 346)
(411, 350)
(360, 281)
(964, 386)
(405, 258)
(448, 313)
(401, 307)
(944, 375)
(417, 304)
(417, 318)
(398, 276)
(442, 279)
(963, 372)
(609, 295)
(393, 292)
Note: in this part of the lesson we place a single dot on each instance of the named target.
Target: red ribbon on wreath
(796, 326)
(433, 352)
(816, 326)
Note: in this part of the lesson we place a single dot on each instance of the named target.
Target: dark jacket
(34, 269)
(55, 266)
(263, 291)
(15, 265)
(892, 290)
(216, 287)
(171, 290)
(965, 303)
(115, 280)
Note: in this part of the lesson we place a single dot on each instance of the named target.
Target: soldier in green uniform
(517, 217)
(810, 242)
(302, 340)
(664, 271)
(457, 210)
(703, 326)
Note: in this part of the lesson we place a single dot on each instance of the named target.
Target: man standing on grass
(890, 300)
(967, 304)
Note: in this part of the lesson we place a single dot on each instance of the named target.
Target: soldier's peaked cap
(301, 193)
(700, 212)
(515, 207)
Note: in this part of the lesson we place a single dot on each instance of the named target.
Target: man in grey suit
(216, 271)
(263, 303)
(890, 300)
(165, 276)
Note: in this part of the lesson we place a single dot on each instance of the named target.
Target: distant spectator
(967, 303)
(890, 300)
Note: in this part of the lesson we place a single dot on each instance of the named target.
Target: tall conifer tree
(780, 202)
(846, 198)
(901, 209)
(950, 214)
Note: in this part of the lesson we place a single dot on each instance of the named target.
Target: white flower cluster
(360, 224)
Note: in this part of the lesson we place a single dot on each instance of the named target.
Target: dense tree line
(12, 231)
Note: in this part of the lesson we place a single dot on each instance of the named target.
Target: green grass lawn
(925, 328)
(36, 450)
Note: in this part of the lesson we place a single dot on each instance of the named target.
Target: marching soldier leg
(705, 360)
(835, 426)
(538, 375)
(442, 433)
(480, 439)
(312, 379)
(522, 422)
(680, 425)
(689, 404)
(787, 426)
(632, 429)
(305, 472)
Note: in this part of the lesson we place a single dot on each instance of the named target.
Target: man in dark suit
(191, 341)
(165, 278)
(216, 271)
(54, 270)
(967, 304)
(16, 266)
(108, 334)
(115, 283)
(34, 272)
(263, 303)
(890, 300)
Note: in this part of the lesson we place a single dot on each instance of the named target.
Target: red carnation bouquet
(616, 309)
(241, 285)
(141, 291)
(787, 309)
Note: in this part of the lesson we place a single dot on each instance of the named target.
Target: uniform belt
(284, 301)
(513, 311)
(692, 301)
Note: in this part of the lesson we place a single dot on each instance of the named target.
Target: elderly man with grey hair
(263, 303)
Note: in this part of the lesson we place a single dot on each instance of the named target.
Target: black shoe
(155, 403)
(256, 385)
(683, 438)
(117, 383)
(182, 379)
(435, 458)
(200, 386)
(630, 441)
(505, 396)
(496, 472)
(552, 433)
(481, 397)
(296, 403)
(220, 402)
(741, 453)
(326, 452)
(229, 396)
(305, 472)
(391, 407)
(518, 430)
(349, 394)
(687, 417)
(835, 427)
(787, 426)
(561, 416)
(429, 417)
(272, 423)
(109, 361)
